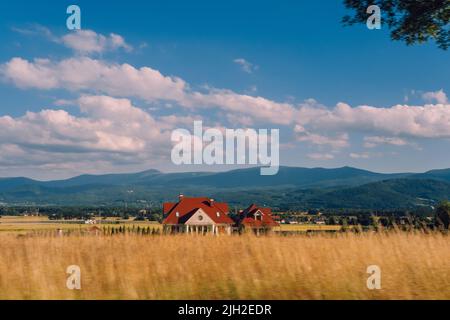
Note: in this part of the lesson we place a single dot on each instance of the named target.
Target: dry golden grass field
(319, 266)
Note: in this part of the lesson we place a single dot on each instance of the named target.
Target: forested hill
(292, 187)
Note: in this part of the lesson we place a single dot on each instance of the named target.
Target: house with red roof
(256, 219)
(196, 215)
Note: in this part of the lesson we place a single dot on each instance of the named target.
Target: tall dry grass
(414, 266)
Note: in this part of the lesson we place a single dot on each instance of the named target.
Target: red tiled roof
(186, 207)
(247, 217)
(167, 206)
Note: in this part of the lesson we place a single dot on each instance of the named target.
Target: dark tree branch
(411, 21)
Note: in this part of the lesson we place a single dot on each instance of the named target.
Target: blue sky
(294, 51)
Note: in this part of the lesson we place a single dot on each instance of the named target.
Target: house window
(177, 214)
(200, 218)
(218, 213)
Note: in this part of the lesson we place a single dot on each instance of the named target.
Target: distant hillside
(7, 184)
(388, 194)
(443, 174)
(291, 188)
(287, 176)
(106, 179)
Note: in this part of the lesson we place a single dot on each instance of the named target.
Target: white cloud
(110, 131)
(175, 121)
(320, 156)
(82, 41)
(312, 122)
(238, 119)
(435, 96)
(371, 142)
(261, 109)
(88, 41)
(117, 41)
(37, 30)
(428, 121)
(24, 74)
(359, 155)
(245, 65)
(123, 80)
(85, 74)
(336, 142)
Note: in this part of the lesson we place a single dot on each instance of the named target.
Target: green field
(24, 225)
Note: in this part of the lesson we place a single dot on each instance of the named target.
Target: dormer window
(177, 214)
(218, 214)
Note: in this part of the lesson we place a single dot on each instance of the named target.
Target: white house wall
(195, 220)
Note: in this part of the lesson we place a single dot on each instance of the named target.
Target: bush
(443, 214)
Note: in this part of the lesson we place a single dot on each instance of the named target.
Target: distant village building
(276, 218)
(256, 219)
(196, 215)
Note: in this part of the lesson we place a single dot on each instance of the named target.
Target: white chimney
(211, 202)
(180, 197)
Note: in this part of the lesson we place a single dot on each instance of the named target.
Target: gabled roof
(186, 207)
(248, 217)
(167, 206)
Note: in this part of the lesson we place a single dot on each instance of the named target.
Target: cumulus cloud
(428, 121)
(109, 130)
(261, 109)
(82, 41)
(311, 122)
(30, 75)
(84, 74)
(435, 96)
(124, 80)
(245, 65)
(88, 41)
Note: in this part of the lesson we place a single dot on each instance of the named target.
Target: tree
(411, 21)
(443, 214)
(332, 221)
(344, 225)
(374, 221)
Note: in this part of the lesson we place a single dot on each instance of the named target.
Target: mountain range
(291, 188)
